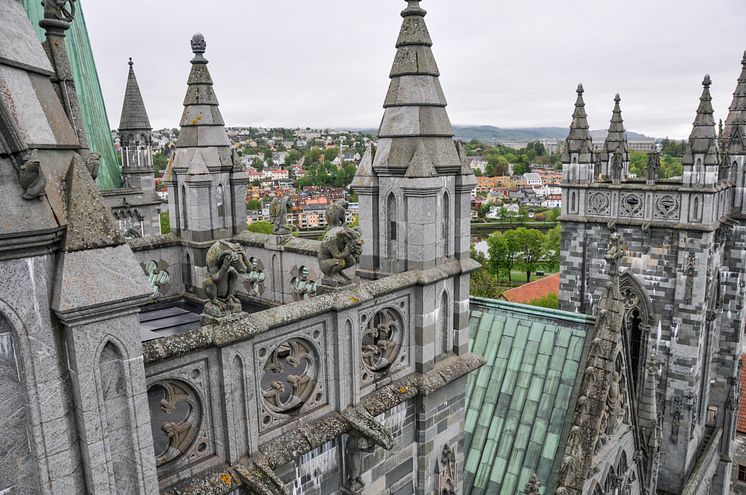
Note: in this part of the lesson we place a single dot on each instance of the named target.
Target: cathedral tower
(682, 282)
(415, 192)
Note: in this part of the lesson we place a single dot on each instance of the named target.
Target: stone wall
(737, 486)
(232, 390)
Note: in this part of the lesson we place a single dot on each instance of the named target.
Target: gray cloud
(510, 64)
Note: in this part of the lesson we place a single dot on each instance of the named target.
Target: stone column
(369, 224)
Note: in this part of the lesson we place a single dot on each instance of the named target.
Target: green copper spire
(88, 88)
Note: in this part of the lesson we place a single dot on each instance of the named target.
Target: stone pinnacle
(413, 8)
(580, 89)
(707, 82)
(199, 46)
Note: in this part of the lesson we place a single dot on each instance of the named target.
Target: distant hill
(502, 135)
(491, 134)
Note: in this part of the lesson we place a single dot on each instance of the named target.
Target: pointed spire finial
(199, 46)
(617, 98)
(130, 62)
(707, 82)
(413, 8)
(580, 89)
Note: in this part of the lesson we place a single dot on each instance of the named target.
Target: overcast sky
(508, 63)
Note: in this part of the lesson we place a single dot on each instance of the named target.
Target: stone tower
(733, 140)
(682, 282)
(206, 181)
(136, 206)
(135, 136)
(415, 193)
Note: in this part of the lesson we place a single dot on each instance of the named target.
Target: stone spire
(579, 140)
(616, 140)
(202, 126)
(415, 117)
(735, 124)
(134, 115)
(206, 181)
(701, 157)
(647, 413)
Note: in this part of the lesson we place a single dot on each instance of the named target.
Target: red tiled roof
(533, 290)
(741, 422)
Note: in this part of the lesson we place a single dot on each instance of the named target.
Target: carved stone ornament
(381, 340)
(256, 277)
(158, 276)
(533, 485)
(690, 274)
(226, 265)
(32, 177)
(447, 472)
(356, 447)
(340, 249)
(176, 417)
(598, 204)
(278, 213)
(631, 205)
(60, 10)
(666, 207)
(290, 376)
(92, 163)
(303, 286)
(654, 165)
(675, 419)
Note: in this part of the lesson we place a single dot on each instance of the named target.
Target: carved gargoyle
(278, 212)
(92, 163)
(61, 10)
(340, 249)
(32, 177)
(226, 263)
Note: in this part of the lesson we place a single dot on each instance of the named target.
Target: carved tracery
(381, 339)
(176, 417)
(290, 376)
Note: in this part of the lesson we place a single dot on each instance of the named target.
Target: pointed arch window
(392, 226)
(638, 316)
(445, 332)
(446, 225)
(220, 200)
(184, 214)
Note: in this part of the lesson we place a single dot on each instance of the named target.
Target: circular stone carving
(667, 206)
(599, 204)
(631, 205)
(176, 418)
(289, 376)
(382, 340)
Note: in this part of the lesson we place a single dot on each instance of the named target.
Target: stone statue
(236, 161)
(92, 163)
(355, 449)
(533, 485)
(303, 286)
(226, 262)
(654, 164)
(616, 167)
(614, 402)
(278, 212)
(447, 474)
(340, 249)
(32, 177)
(61, 10)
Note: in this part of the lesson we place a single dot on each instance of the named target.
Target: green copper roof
(88, 88)
(517, 403)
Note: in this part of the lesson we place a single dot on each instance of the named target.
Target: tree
(549, 301)
(638, 163)
(253, 205)
(528, 246)
(503, 254)
(159, 163)
(552, 245)
(261, 227)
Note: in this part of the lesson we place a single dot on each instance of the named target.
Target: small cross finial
(580, 89)
(130, 62)
(617, 99)
(707, 82)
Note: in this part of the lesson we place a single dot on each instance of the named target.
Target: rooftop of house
(517, 403)
(533, 290)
